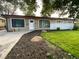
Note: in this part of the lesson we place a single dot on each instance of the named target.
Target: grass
(67, 40)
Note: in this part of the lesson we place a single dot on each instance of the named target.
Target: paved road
(7, 41)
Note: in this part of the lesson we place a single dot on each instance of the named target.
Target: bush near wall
(76, 26)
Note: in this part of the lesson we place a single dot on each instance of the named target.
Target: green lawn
(67, 40)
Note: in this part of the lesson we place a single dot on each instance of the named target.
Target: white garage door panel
(61, 25)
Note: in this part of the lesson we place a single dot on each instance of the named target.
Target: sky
(37, 13)
(18, 12)
(56, 14)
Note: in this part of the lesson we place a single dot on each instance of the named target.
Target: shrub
(75, 27)
(58, 28)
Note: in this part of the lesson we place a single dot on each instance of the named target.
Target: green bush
(75, 28)
(58, 28)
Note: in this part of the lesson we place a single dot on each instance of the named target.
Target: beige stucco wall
(2, 23)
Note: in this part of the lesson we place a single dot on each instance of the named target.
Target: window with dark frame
(17, 22)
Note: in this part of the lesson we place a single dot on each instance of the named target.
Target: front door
(31, 24)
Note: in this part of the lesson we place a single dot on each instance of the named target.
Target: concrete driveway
(7, 41)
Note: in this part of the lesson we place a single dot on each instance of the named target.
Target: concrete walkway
(7, 41)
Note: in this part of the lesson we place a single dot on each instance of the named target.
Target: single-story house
(25, 23)
(2, 22)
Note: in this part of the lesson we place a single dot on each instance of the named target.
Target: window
(44, 23)
(17, 22)
(31, 21)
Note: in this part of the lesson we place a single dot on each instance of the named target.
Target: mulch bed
(25, 49)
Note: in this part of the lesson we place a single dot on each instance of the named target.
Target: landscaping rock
(36, 39)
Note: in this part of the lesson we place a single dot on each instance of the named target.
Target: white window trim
(18, 18)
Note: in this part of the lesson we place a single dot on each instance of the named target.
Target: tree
(8, 7)
(47, 7)
(65, 6)
(27, 6)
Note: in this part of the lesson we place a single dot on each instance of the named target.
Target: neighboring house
(25, 23)
(2, 23)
